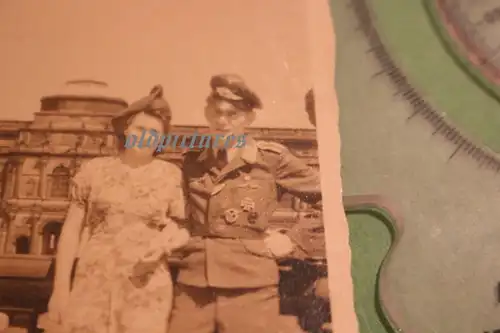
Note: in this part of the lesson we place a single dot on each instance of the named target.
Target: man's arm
(300, 180)
(292, 174)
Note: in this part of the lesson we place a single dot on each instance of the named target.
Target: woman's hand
(58, 304)
(171, 238)
(176, 238)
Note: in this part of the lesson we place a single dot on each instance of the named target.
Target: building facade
(39, 157)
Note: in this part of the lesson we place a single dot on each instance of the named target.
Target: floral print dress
(124, 208)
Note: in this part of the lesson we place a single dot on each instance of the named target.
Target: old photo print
(161, 169)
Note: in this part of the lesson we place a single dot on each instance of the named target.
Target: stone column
(77, 163)
(35, 234)
(42, 184)
(9, 180)
(11, 213)
(110, 144)
(3, 234)
(76, 166)
(19, 174)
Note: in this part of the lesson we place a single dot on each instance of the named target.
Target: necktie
(221, 158)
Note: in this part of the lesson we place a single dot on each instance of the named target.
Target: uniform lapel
(245, 155)
(205, 184)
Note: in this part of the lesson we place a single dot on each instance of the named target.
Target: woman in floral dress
(123, 208)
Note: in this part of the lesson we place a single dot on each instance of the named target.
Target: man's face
(224, 119)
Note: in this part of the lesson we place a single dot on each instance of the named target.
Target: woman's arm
(69, 241)
(68, 247)
(175, 233)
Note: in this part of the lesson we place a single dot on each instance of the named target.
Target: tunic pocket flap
(257, 247)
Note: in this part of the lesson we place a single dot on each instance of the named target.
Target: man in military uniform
(228, 279)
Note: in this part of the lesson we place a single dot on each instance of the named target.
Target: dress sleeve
(81, 184)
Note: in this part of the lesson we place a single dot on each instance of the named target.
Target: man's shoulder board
(271, 146)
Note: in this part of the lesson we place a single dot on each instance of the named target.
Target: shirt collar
(248, 153)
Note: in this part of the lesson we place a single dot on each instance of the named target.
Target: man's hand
(278, 244)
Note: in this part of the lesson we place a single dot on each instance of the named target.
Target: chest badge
(231, 215)
(253, 217)
(247, 204)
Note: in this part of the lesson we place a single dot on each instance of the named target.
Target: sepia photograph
(160, 169)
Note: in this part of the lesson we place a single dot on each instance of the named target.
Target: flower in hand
(278, 244)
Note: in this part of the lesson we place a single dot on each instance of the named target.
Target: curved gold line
(382, 206)
(484, 156)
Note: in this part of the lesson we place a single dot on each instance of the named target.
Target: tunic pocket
(257, 247)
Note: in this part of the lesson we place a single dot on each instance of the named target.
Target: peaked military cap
(233, 89)
(153, 102)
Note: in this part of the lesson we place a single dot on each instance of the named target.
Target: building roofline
(75, 97)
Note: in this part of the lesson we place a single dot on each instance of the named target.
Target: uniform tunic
(229, 210)
(229, 280)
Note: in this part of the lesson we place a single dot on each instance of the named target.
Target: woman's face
(143, 133)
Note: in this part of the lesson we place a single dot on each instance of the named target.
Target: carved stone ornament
(47, 140)
(80, 139)
(42, 162)
(36, 213)
(21, 140)
(11, 212)
(3, 223)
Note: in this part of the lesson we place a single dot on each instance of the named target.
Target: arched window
(22, 245)
(60, 178)
(51, 234)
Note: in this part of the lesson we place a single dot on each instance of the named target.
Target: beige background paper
(131, 45)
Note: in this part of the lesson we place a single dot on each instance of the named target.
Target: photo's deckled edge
(321, 36)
